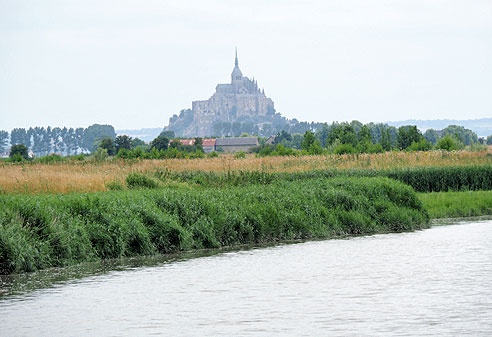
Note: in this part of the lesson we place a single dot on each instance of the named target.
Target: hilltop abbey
(241, 99)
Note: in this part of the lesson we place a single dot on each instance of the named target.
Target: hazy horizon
(135, 64)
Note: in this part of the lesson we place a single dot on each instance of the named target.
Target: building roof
(188, 142)
(208, 142)
(237, 141)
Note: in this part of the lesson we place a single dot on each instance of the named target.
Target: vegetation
(19, 152)
(55, 230)
(43, 141)
(84, 174)
(422, 179)
(457, 204)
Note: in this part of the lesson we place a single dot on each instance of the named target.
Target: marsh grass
(63, 229)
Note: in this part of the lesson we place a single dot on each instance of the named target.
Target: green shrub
(101, 154)
(239, 155)
(448, 143)
(138, 180)
(114, 185)
(344, 149)
(52, 158)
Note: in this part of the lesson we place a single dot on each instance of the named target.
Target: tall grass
(457, 204)
(55, 230)
(422, 179)
(86, 176)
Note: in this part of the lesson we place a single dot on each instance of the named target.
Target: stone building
(231, 101)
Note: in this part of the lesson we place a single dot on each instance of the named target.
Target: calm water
(432, 282)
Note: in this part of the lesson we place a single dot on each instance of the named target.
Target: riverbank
(41, 231)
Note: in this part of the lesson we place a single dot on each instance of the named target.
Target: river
(431, 282)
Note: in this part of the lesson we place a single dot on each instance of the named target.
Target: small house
(208, 145)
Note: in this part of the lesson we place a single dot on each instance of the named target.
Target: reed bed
(89, 176)
(49, 230)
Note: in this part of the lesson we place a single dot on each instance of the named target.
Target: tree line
(355, 137)
(65, 141)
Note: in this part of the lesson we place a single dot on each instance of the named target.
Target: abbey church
(241, 99)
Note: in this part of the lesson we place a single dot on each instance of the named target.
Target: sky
(135, 63)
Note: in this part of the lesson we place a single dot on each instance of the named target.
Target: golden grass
(92, 176)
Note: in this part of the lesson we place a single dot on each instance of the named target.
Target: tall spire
(236, 73)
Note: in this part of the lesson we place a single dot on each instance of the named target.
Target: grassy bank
(55, 230)
(93, 176)
(457, 204)
(422, 179)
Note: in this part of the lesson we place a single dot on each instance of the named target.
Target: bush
(114, 185)
(16, 158)
(240, 155)
(138, 180)
(345, 149)
(49, 159)
(212, 154)
(448, 143)
(421, 145)
(19, 150)
(101, 154)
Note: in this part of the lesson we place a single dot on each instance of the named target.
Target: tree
(386, 142)
(364, 134)
(138, 142)
(198, 144)
(19, 150)
(161, 143)
(123, 142)
(489, 140)
(407, 135)
(169, 134)
(344, 132)
(448, 143)
(465, 136)
(422, 145)
(431, 135)
(308, 140)
(95, 133)
(281, 136)
(19, 136)
(4, 138)
(108, 145)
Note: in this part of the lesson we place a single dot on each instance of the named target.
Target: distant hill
(146, 135)
(482, 127)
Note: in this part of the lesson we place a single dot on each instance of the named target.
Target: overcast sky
(135, 63)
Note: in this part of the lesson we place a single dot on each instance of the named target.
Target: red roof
(190, 142)
(208, 142)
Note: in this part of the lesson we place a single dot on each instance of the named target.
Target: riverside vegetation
(153, 207)
(55, 229)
